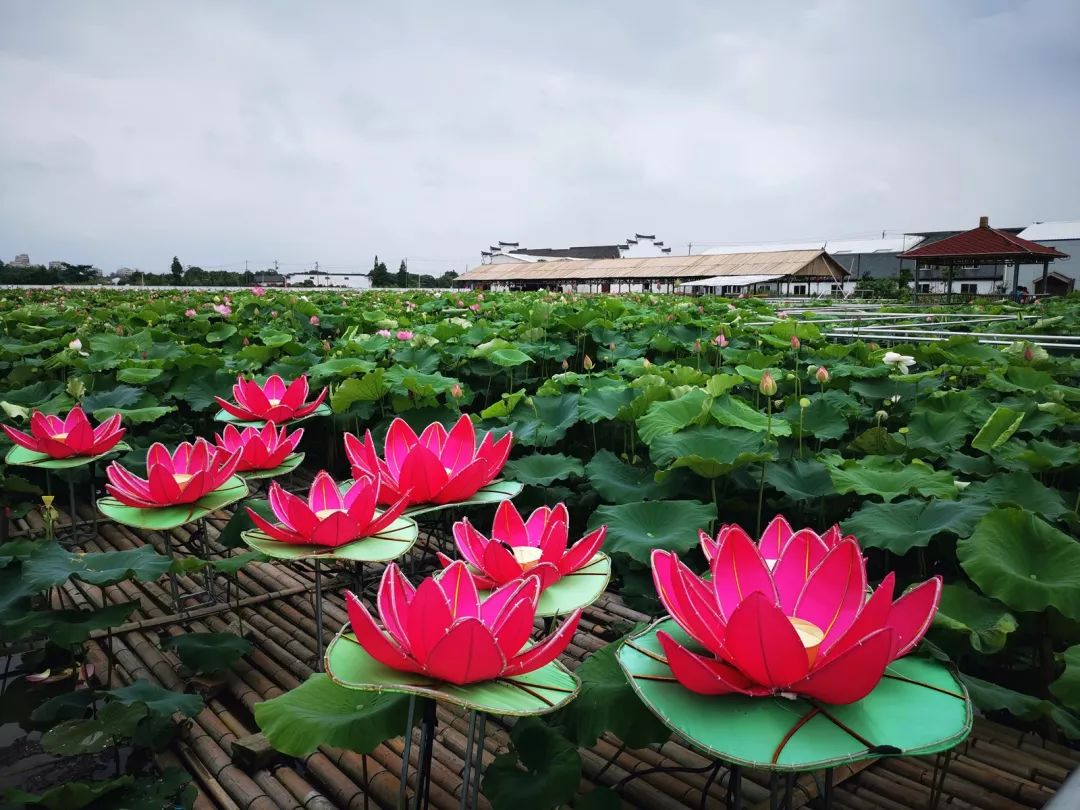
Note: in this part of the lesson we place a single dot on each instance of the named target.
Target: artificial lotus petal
(327, 518)
(70, 436)
(773, 540)
(274, 401)
(260, 449)
(518, 547)
(436, 467)
(443, 630)
(184, 476)
(799, 626)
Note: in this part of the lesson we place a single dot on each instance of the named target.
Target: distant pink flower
(460, 303)
(258, 290)
(224, 310)
(404, 334)
(795, 342)
(314, 320)
(190, 313)
(385, 333)
(474, 307)
(822, 375)
(721, 340)
(273, 313)
(697, 347)
(455, 391)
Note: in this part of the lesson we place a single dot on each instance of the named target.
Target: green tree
(177, 270)
(379, 275)
(403, 274)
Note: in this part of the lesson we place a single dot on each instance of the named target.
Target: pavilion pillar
(915, 289)
(1016, 277)
(1045, 275)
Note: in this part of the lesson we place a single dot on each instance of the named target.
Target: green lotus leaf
(493, 493)
(135, 416)
(920, 707)
(1067, 687)
(543, 421)
(114, 722)
(28, 458)
(208, 652)
(986, 622)
(551, 775)
(601, 404)
(369, 388)
(508, 358)
(636, 529)
(1024, 562)
(291, 462)
(320, 712)
(221, 333)
(1037, 455)
(538, 692)
(710, 451)
(1018, 489)
(170, 517)
(938, 432)
(225, 416)
(50, 565)
(65, 627)
(123, 396)
(619, 482)
(997, 430)
(800, 480)
(157, 699)
(900, 527)
(389, 544)
(339, 367)
(70, 795)
(732, 412)
(541, 469)
(822, 419)
(891, 479)
(140, 375)
(665, 418)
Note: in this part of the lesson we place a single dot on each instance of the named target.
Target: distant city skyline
(253, 131)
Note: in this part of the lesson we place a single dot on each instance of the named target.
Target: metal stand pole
(174, 580)
(423, 765)
(474, 750)
(318, 618)
(827, 788)
(204, 553)
(403, 786)
(937, 785)
(734, 788)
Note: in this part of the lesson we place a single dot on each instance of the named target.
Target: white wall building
(321, 278)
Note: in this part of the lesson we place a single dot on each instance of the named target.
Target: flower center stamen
(274, 402)
(526, 556)
(182, 479)
(810, 635)
(323, 514)
(60, 437)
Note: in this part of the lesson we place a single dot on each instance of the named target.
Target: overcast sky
(328, 131)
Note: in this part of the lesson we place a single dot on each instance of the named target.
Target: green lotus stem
(764, 464)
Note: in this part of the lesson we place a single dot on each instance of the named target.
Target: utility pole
(245, 265)
(688, 246)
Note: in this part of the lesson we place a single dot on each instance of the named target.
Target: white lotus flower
(901, 362)
(75, 344)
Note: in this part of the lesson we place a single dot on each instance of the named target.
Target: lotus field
(802, 516)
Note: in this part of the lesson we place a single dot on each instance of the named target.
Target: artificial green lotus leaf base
(389, 544)
(495, 492)
(538, 692)
(919, 707)
(576, 590)
(169, 517)
(28, 458)
(291, 462)
(224, 416)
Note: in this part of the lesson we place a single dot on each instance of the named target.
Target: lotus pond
(651, 415)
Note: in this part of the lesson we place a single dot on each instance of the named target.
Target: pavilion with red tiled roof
(982, 245)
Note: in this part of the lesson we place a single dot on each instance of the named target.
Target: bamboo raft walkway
(998, 768)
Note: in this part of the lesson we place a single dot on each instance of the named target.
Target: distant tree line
(40, 274)
(381, 277)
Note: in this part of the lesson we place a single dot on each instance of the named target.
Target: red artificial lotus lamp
(274, 401)
(443, 630)
(803, 628)
(519, 547)
(67, 437)
(775, 537)
(328, 517)
(437, 467)
(184, 476)
(259, 448)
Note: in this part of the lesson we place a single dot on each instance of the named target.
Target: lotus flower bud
(1029, 353)
(721, 340)
(587, 363)
(795, 342)
(455, 391)
(881, 416)
(822, 375)
(697, 346)
(804, 402)
(767, 386)
(565, 365)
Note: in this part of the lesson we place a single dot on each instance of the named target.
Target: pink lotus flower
(442, 629)
(385, 333)
(71, 436)
(327, 518)
(437, 467)
(262, 449)
(224, 310)
(517, 547)
(800, 629)
(721, 340)
(183, 476)
(273, 401)
(190, 313)
(258, 290)
(795, 342)
(404, 334)
(314, 320)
